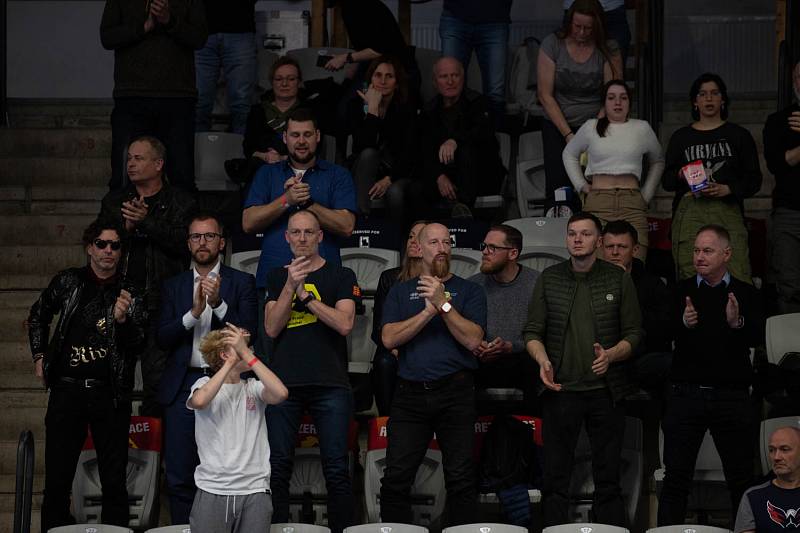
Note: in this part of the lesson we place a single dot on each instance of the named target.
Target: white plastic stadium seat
(465, 263)
(368, 263)
(360, 347)
(297, 528)
(688, 528)
(584, 527)
(783, 336)
(485, 528)
(768, 427)
(541, 257)
(211, 150)
(89, 528)
(529, 174)
(246, 261)
(178, 528)
(385, 527)
(541, 231)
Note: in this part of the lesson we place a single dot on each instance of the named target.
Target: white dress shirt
(202, 325)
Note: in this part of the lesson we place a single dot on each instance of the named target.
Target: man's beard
(307, 159)
(441, 268)
(212, 258)
(489, 268)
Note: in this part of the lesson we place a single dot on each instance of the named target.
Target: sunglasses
(100, 244)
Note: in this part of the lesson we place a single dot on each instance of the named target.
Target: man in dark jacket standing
(717, 318)
(459, 153)
(583, 324)
(154, 79)
(154, 214)
(88, 366)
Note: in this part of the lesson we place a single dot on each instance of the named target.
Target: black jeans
(555, 175)
(171, 120)
(366, 171)
(564, 414)
(446, 407)
(691, 410)
(70, 410)
(384, 378)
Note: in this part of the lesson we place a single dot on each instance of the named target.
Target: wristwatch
(310, 296)
(445, 308)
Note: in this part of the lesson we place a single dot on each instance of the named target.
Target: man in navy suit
(193, 303)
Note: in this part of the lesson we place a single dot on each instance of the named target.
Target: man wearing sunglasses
(88, 365)
(203, 298)
(503, 361)
(154, 215)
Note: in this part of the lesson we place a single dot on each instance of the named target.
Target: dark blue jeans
(564, 414)
(448, 409)
(171, 120)
(691, 410)
(331, 409)
(489, 40)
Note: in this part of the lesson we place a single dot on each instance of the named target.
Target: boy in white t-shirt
(231, 433)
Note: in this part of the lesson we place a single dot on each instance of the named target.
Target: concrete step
(55, 170)
(44, 229)
(16, 282)
(54, 113)
(8, 482)
(34, 259)
(73, 142)
(17, 299)
(63, 199)
(8, 458)
(13, 324)
(21, 410)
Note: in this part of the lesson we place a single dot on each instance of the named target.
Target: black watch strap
(310, 296)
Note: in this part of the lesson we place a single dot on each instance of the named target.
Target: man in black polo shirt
(717, 319)
(88, 366)
(436, 321)
(311, 305)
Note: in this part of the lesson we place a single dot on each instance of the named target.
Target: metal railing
(23, 497)
(650, 67)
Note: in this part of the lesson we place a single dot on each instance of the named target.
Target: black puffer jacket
(165, 227)
(62, 296)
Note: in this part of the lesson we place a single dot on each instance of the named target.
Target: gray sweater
(507, 305)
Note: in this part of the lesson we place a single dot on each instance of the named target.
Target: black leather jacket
(62, 296)
(165, 227)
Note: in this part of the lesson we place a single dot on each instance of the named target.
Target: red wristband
(284, 201)
(252, 362)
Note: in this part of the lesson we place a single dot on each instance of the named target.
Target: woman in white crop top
(615, 146)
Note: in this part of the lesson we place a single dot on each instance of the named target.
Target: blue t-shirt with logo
(434, 353)
(331, 186)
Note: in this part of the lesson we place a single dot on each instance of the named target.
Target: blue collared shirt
(331, 187)
(726, 279)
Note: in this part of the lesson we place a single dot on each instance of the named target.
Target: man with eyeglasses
(503, 361)
(583, 325)
(88, 365)
(196, 301)
(302, 182)
(154, 215)
(310, 311)
(436, 321)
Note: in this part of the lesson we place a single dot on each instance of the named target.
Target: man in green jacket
(583, 324)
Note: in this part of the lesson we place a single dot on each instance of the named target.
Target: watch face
(446, 307)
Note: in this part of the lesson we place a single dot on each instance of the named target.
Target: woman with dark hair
(382, 123)
(572, 67)
(384, 363)
(728, 155)
(615, 145)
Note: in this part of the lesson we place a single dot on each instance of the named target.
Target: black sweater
(728, 153)
(712, 353)
(393, 135)
(778, 138)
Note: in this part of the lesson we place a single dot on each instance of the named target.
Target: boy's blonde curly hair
(211, 346)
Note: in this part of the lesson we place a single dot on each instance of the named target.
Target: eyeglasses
(281, 79)
(492, 248)
(100, 244)
(195, 237)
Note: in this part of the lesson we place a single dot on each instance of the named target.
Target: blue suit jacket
(237, 289)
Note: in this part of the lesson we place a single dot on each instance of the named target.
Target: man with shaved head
(775, 505)
(435, 321)
(459, 151)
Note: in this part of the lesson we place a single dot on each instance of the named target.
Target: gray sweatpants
(230, 514)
